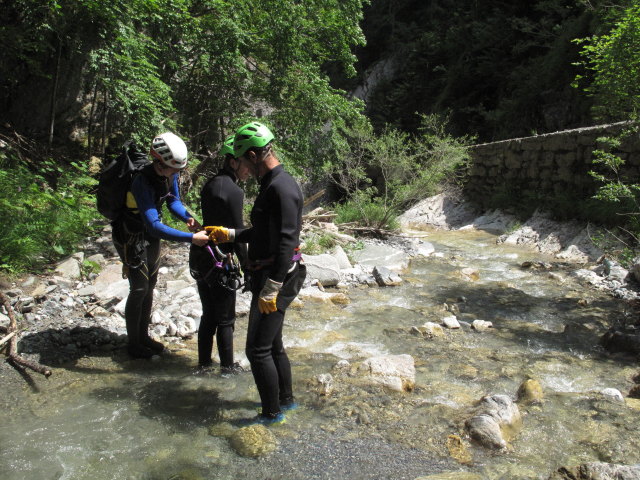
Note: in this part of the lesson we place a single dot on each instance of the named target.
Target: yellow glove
(221, 234)
(268, 296)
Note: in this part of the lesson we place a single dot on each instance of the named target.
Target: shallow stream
(110, 417)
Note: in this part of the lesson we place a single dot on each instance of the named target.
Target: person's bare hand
(200, 238)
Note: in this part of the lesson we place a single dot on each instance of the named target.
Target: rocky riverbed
(75, 311)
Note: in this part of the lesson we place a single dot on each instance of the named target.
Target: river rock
(422, 248)
(497, 416)
(110, 283)
(396, 372)
(374, 255)
(253, 441)
(481, 325)
(597, 471)
(621, 341)
(451, 322)
(316, 295)
(614, 394)
(441, 211)
(530, 391)
(458, 450)
(340, 255)
(385, 277)
(323, 384)
(430, 330)
(325, 268)
(614, 271)
(69, 268)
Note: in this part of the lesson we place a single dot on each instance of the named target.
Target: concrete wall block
(513, 160)
(565, 174)
(532, 144)
(566, 159)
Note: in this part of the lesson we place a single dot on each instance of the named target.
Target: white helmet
(170, 150)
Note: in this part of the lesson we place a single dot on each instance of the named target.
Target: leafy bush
(384, 174)
(41, 224)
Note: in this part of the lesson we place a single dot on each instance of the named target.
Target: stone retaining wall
(549, 165)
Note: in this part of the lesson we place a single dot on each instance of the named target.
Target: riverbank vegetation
(80, 77)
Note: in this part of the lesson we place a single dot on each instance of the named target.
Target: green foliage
(40, 224)
(613, 59)
(384, 174)
(503, 68)
(316, 243)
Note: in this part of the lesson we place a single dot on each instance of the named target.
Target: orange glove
(221, 234)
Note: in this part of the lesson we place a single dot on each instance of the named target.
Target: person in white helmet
(138, 231)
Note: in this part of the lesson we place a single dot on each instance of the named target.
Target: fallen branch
(7, 338)
(15, 359)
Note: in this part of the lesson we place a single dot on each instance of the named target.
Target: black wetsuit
(276, 220)
(222, 200)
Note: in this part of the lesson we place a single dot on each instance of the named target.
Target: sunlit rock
(373, 255)
(69, 268)
(325, 268)
(323, 384)
(396, 372)
(340, 255)
(597, 471)
(530, 391)
(385, 277)
(481, 325)
(469, 274)
(313, 294)
(496, 420)
(253, 441)
(451, 322)
(429, 330)
(614, 394)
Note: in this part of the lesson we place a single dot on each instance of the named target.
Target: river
(107, 417)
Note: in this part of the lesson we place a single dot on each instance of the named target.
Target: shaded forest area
(500, 69)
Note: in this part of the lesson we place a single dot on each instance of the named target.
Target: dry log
(313, 197)
(7, 338)
(14, 358)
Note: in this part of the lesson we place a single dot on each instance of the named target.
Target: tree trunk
(54, 94)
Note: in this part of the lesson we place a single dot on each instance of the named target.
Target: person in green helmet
(215, 270)
(274, 260)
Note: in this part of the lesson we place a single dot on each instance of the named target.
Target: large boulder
(325, 268)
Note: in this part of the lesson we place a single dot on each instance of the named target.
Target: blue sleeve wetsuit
(145, 194)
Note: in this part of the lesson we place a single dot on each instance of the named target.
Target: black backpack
(116, 178)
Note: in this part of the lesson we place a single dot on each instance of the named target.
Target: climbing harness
(223, 269)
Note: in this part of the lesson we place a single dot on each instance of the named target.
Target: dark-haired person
(222, 200)
(274, 260)
(137, 233)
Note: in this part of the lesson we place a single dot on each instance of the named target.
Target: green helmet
(253, 134)
(227, 147)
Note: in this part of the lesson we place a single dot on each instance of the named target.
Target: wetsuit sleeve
(143, 193)
(236, 201)
(174, 204)
(286, 220)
